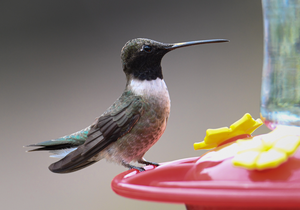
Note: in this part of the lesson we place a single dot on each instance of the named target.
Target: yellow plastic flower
(215, 137)
(265, 151)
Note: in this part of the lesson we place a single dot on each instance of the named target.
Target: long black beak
(186, 44)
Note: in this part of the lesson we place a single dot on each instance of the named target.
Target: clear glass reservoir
(280, 93)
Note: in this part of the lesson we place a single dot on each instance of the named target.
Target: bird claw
(148, 162)
(140, 169)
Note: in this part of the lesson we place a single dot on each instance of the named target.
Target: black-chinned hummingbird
(133, 123)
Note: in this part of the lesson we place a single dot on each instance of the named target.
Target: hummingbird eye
(147, 48)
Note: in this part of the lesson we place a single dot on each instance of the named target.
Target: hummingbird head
(141, 57)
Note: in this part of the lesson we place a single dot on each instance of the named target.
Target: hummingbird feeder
(241, 171)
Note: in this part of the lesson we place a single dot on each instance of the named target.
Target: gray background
(60, 69)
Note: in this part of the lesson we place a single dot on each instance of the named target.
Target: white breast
(155, 89)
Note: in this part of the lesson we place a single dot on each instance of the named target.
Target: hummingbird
(133, 123)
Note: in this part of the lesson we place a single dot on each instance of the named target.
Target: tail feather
(62, 146)
(50, 148)
(79, 158)
(62, 152)
(74, 151)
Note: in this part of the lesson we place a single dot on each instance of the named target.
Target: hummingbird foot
(140, 169)
(143, 161)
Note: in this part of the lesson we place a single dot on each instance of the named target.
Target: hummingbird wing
(116, 122)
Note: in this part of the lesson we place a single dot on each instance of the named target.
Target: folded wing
(116, 122)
